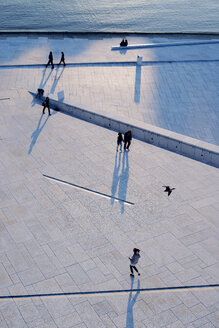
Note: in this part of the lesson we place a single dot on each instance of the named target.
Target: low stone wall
(167, 44)
(190, 147)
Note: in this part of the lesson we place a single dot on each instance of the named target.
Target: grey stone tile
(88, 315)
(12, 316)
(214, 318)
(183, 314)
(162, 320)
(68, 321)
(31, 276)
(58, 307)
(66, 283)
(19, 232)
(5, 280)
(29, 312)
(103, 307)
(78, 274)
(199, 311)
(20, 259)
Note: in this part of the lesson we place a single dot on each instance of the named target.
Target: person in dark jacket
(46, 104)
(119, 141)
(127, 139)
(50, 60)
(134, 260)
(62, 60)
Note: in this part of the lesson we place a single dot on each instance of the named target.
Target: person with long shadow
(115, 176)
(131, 303)
(37, 132)
(56, 79)
(42, 84)
(123, 180)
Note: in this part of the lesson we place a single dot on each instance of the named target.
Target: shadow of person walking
(42, 85)
(115, 176)
(123, 180)
(56, 79)
(37, 132)
(131, 303)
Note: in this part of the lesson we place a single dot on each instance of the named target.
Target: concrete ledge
(159, 45)
(190, 147)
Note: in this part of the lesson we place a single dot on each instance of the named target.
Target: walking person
(134, 260)
(50, 60)
(127, 139)
(119, 141)
(46, 104)
(62, 60)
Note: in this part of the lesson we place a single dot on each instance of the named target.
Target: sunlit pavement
(56, 238)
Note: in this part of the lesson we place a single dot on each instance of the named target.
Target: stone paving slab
(55, 238)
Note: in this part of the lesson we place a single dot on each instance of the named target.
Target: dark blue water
(115, 15)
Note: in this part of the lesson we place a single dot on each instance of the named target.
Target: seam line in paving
(88, 190)
(148, 290)
(123, 63)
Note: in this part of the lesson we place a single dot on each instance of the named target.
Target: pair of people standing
(127, 140)
(62, 60)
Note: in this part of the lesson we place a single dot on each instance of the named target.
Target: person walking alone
(50, 60)
(119, 141)
(62, 60)
(46, 104)
(134, 260)
(127, 139)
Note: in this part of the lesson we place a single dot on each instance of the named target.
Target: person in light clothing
(134, 260)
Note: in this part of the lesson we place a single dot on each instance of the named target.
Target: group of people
(124, 43)
(126, 139)
(50, 61)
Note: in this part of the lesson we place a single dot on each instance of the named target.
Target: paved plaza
(175, 89)
(55, 238)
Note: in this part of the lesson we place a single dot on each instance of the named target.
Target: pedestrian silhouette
(134, 260)
(46, 104)
(127, 139)
(50, 60)
(168, 189)
(62, 60)
(119, 141)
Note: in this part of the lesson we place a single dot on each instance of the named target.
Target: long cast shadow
(123, 180)
(115, 176)
(37, 132)
(131, 303)
(56, 79)
(42, 84)
(137, 95)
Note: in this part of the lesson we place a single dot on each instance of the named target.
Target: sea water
(110, 15)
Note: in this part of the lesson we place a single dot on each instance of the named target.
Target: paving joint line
(115, 291)
(88, 189)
